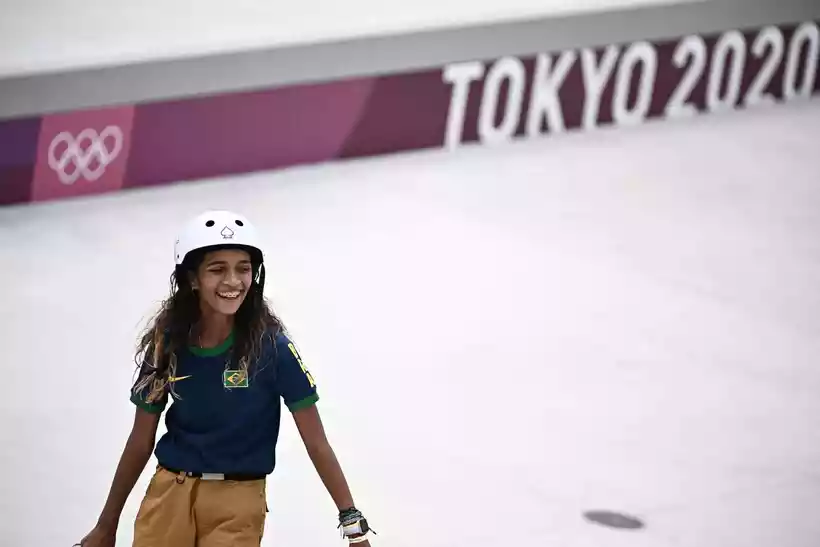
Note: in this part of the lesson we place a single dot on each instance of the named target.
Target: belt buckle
(213, 476)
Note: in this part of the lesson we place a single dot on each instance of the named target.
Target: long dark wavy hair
(172, 327)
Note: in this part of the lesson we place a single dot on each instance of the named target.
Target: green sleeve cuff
(304, 403)
(153, 408)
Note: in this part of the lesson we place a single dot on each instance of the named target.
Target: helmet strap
(260, 278)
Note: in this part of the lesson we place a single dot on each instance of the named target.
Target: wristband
(353, 523)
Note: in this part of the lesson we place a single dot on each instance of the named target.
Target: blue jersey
(223, 421)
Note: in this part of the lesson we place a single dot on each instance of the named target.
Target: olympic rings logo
(89, 161)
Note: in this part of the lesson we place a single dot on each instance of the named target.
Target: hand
(100, 536)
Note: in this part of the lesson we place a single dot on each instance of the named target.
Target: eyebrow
(225, 263)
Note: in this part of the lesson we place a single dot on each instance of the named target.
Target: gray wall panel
(155, 81)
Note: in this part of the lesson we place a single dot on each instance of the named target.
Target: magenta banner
(94, 151)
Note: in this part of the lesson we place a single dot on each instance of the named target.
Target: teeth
(234, 294)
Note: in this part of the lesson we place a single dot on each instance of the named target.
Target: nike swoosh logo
(178, 378)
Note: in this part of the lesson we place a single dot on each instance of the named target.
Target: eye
(239, 223)
(209, 223)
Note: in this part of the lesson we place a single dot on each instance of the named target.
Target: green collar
(211, 352)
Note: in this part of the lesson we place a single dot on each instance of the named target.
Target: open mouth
(232, 295)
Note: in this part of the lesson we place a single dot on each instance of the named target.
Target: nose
(232, 279)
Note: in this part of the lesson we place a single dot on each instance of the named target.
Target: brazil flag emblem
(234, 378)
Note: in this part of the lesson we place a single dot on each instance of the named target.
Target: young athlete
(223, 361)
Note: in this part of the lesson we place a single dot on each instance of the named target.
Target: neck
(213, 329)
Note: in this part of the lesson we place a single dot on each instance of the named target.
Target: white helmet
(217, 228)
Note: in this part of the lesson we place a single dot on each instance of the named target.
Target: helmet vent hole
(210, 223)
(239, 223)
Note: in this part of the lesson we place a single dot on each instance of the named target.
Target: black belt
(217, 476)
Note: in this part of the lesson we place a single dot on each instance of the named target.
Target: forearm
(134, 458)
(327, 466)
(329, 470)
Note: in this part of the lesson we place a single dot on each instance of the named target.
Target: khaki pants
(180, 511)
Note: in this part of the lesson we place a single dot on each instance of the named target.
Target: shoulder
(152, 339)
(276, 346)
(274, 341)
